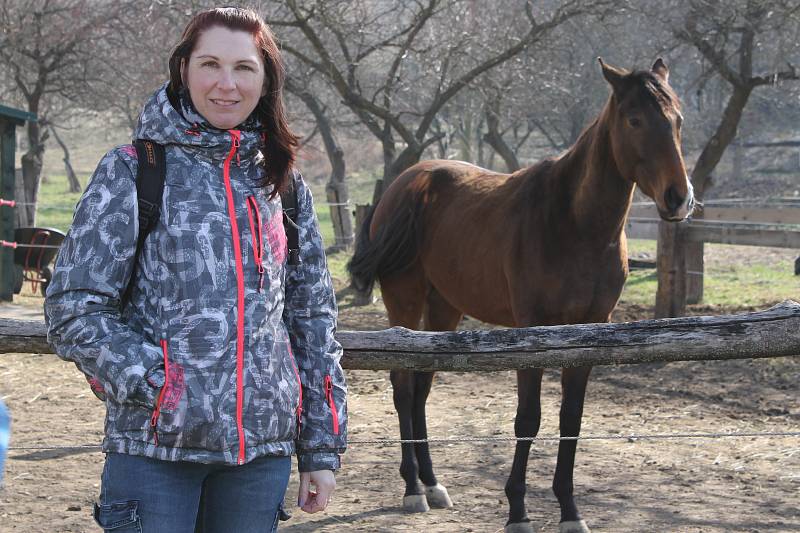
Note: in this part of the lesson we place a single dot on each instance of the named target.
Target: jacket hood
(160, 122)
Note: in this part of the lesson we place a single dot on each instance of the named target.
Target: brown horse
(542, 246)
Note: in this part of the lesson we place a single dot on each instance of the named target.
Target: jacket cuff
(313, 461)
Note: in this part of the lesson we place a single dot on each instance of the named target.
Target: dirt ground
(681, 485)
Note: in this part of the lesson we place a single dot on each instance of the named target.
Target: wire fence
(632, 437)
(15, 245)
(39, 205)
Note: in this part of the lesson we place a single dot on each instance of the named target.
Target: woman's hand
(324, 482)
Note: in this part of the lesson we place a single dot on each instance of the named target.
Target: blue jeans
(145, 495)
(5, 435)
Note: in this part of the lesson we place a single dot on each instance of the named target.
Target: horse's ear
(613, 75)
(660, 69)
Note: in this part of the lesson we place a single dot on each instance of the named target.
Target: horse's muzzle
(678, 207)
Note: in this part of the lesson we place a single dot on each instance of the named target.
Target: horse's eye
(635, 122)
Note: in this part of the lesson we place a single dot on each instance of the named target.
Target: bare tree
(731, 39)
(395, 70)
(136, 56)
(336, 188)
(538, 102)
(72, 179)
(50, 51)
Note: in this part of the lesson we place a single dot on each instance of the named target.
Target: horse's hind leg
(403, 394)
(526, 424)
(573, 390)
(438, 316)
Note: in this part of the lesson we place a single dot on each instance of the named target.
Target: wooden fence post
(336, 193)
(671, 267)
(695, 269)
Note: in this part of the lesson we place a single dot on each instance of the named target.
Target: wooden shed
(10, 119)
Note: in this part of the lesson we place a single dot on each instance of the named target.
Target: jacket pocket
(254, 217)
(332, 403)
(169, 414)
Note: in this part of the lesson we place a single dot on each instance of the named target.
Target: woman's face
(225, 76)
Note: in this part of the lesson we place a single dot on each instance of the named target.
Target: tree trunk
(389, 154)
(20, 213)
(31, 172)
(723, 136)
(72, 179)
(408, 157)
(32, 166)
(496, 141)
(701, 180)
(336, 189)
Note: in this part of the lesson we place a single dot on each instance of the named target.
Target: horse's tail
(393, 249)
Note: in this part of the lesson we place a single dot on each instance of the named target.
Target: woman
(221, 362)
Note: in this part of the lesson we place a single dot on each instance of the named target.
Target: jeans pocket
(119, 517)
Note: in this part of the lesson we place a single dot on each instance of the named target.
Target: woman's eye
(246, 67)
(209, 64)
(635, 122)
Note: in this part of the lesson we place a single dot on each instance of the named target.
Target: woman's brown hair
(280, 144)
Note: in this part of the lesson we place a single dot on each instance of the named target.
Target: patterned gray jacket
(223, 353)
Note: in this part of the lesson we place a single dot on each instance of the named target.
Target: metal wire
(633, 437)
(40, 206)
(11, 244)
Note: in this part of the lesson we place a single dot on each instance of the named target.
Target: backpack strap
(150, 176)
(290, 213)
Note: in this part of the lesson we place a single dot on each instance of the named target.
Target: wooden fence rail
(750, 222)
(720, 232)
(771, 333)
(781, 214)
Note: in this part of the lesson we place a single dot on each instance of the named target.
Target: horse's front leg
(526, 424)
(403, 394)
(573, 390)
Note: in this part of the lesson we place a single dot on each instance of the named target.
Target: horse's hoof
(574, 526)
(415, 503)
(437, 497)
(518, 527)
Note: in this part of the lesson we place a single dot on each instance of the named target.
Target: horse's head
(644, 120)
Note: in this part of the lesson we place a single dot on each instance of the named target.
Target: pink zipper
(237, 252)
(157, 408)
(255, 231)
(332, 404)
